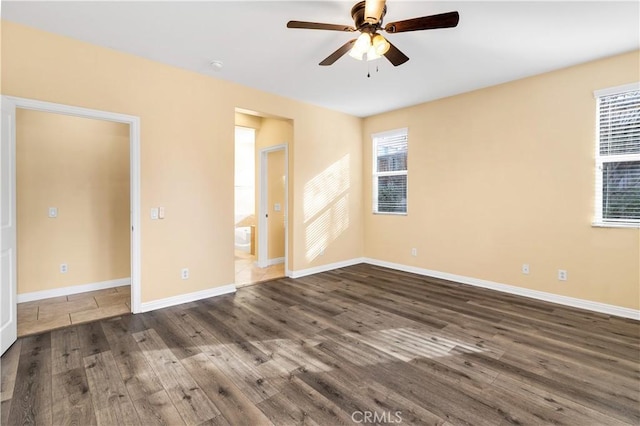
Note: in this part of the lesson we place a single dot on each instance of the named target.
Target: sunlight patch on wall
(326, 207)
(326, 227)
(320, 191)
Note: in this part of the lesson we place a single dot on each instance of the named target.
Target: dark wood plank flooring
(357, 345)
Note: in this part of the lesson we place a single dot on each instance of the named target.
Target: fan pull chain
(369, 70)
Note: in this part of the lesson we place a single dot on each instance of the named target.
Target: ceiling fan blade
(443, 20)
(319, 26)
(395, 56)
(373, 11)
(329, 60)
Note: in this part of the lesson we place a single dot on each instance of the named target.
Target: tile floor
(48, 314)
(248, 273)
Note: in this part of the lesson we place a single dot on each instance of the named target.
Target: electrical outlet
(562, 275)
(525, 268)
(322, 251)
(185, 273)
(414, 252)
(63, 268)
(154, 213)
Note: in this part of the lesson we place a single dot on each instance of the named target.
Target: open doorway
(261, 198)
(71, 192)
(244, 205)
(73, 213)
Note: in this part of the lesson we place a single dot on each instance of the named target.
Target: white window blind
(390, 172)
(618, 156)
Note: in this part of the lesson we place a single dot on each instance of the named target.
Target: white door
(8, 265)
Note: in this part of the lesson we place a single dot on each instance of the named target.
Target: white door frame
(8, 305)
(134, 161)
(263, 237)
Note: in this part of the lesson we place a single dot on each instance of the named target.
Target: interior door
(8, 265)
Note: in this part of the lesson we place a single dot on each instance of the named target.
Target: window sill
(615, 225)
(390, 213)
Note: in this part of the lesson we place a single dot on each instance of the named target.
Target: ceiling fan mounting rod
(358, 15)
(369, 28)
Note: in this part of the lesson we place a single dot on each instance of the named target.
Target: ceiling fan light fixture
(380, 45)
(368, 55)
(356, 55)
(364, 48)
(361, 46)
(372, 54)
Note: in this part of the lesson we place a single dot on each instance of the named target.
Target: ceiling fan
(367, 16)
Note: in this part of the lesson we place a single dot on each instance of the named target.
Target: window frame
(375, 174)
(601, 159)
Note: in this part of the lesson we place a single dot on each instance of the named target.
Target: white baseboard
(270, 262)
(534, 294)
(186, 298)
(75, 289)
(324, 268)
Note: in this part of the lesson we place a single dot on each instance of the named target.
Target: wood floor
(353, 346)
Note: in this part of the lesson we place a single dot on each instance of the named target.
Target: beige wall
(247, 120)
(80, 166)
(505, 176)
(484, 169)
(187, 126)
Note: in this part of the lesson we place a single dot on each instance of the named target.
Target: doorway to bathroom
(252, 263)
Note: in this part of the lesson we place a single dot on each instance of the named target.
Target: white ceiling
(495, 42)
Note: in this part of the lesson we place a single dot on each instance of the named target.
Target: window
(618, 156)
(390, 172)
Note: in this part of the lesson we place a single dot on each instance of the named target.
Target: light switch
(160, 212)
(53, 212)
(276, 207)
(154, 213)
